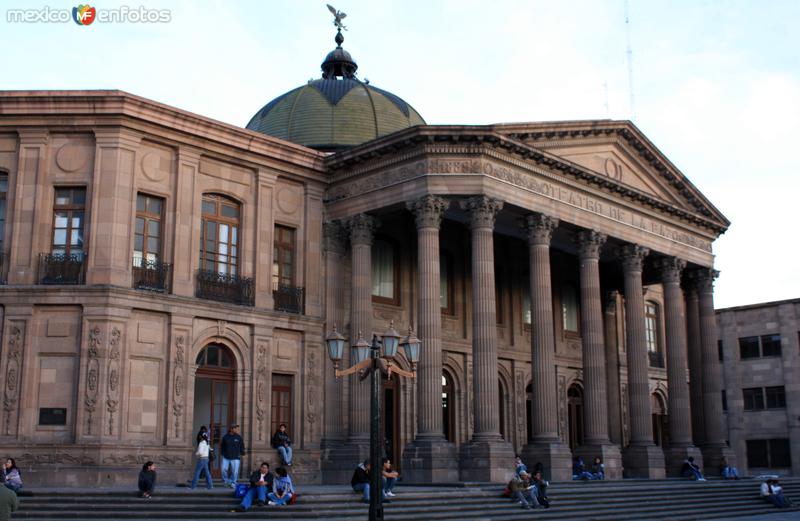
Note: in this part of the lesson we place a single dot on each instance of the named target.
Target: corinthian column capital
(362, 228)
(589, 244)
(632, 256)
(335, 236)
(540, 228)
(703, 279)
(482, 210)
(670, 269)
(428, 210)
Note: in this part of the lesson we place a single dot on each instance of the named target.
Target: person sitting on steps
(691, 470)
(11, 477)
(772, 492)
(579, 470)
(261, 482)
(519, 466)
(147, 480)
(726, 470)
(282, 488)
(389, 477)
(541, 489)
(598, 470)
(524, 491)
(283, 444)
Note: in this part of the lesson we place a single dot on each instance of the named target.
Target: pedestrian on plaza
(11, 476)
(147, 480)
(261, 483)
(8, 503)
(598, 470)
(232, 448)
(691, 470)
(202, 454)
(282, 488)
(390, 476)
(283, 444)
(203, 430)
(726, 470)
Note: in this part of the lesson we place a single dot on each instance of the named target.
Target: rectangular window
(526, 305)
(780, 454)
(771, 345)
(719, 351)
(384, 273)
(219, 235)
(776, 397)
(147, 234)
(757, 454)
(281, 401)
(724, 401)
(68, 217)
(446, 283)
(52, 416)
(569, 307)
(651, 326)
(753, 398)
(499, 298)
(284, 257)
(748, 347)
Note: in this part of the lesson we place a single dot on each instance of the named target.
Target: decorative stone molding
(670, 269)
(362, 229)
(52, 458)
(16, 339)
(335, 236)
(178, 383)
(632, 256)
(92, 376)
(112, 388)
(590, 243)
(312, 398)
(482, 210)
(540, 228)
(140, 459)
(261, 389)
(428, 210)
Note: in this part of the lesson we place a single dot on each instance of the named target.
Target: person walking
(283, 444)
(11, 477)
(202, 463)
(232, 448)
(9, 502)
(147, 480)
(261, 483)
(282, 487)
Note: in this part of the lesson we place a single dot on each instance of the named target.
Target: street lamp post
(374, 359)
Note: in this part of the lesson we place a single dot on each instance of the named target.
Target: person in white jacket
(202, 462)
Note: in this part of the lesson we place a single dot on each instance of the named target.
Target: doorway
(575, 414)
(659, 415)
(389, 420)
(214, 396)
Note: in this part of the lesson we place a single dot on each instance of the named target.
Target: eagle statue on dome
(338, 16)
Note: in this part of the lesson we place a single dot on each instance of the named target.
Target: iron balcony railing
(59, 268)
(151, 275)
(288, 298)
(225, 288)
(656, 359)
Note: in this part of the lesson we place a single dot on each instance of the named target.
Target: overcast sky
(716, 84)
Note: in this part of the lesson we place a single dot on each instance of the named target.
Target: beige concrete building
(760, 353)
(162, 270)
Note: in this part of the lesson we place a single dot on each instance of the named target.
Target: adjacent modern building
(759, 350)
(163, 271)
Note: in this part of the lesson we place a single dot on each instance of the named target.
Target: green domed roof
(335, 112)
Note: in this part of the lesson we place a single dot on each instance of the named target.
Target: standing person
(203, 430)
(523, 491)
(691, 470)
(11, 476)
(360, 480)
(202, 463)
(232, 448)
(8, 503)
(389, 477)
(726, 470)
(282, 442)
(261, 482)
(147, 480)
(598, 470)
(282, 487)
(541, 489)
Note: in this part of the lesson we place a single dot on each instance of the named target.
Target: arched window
(448, 408)
(575, 413)
(219, 236)
(215, 356)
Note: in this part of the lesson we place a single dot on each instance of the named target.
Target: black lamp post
(374, 359)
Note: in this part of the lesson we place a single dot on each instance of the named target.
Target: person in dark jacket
(261, 481)
(232, 448)
(282, 442)
(691, 470)
(541, 489)
(147, 480)
(8, 503)
(361, 479)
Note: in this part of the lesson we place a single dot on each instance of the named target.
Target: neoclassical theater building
(162, 270)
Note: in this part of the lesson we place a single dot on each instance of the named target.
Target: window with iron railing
(149, 272)
(286, 295)
(65, 262)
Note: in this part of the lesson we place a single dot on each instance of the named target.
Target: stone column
(361, 228)
(430, 458)
(612, 368)
(715, 446)
(680, 421)
(695, 356)
(546, 445)
(596, 442)
(486, 457)
(641, 458)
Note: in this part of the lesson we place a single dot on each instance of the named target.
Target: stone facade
(510, 249)
(758, 346)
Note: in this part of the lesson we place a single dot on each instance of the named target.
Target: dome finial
(339, 38)
(338, 63)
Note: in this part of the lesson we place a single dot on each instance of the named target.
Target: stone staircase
(670, 499)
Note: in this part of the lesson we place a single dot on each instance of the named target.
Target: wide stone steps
(610, 500)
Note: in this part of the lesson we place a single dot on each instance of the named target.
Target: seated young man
(691, 470)
(523, 491)
(261, 481)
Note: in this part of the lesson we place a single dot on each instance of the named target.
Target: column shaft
(695, 356)
(712, 378)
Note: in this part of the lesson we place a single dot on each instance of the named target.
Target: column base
(487, 460)
(341, 459)
(675, 456)
(608, 452)
(712, 457)
(555, 457)
(430, 461)
(643, 461)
